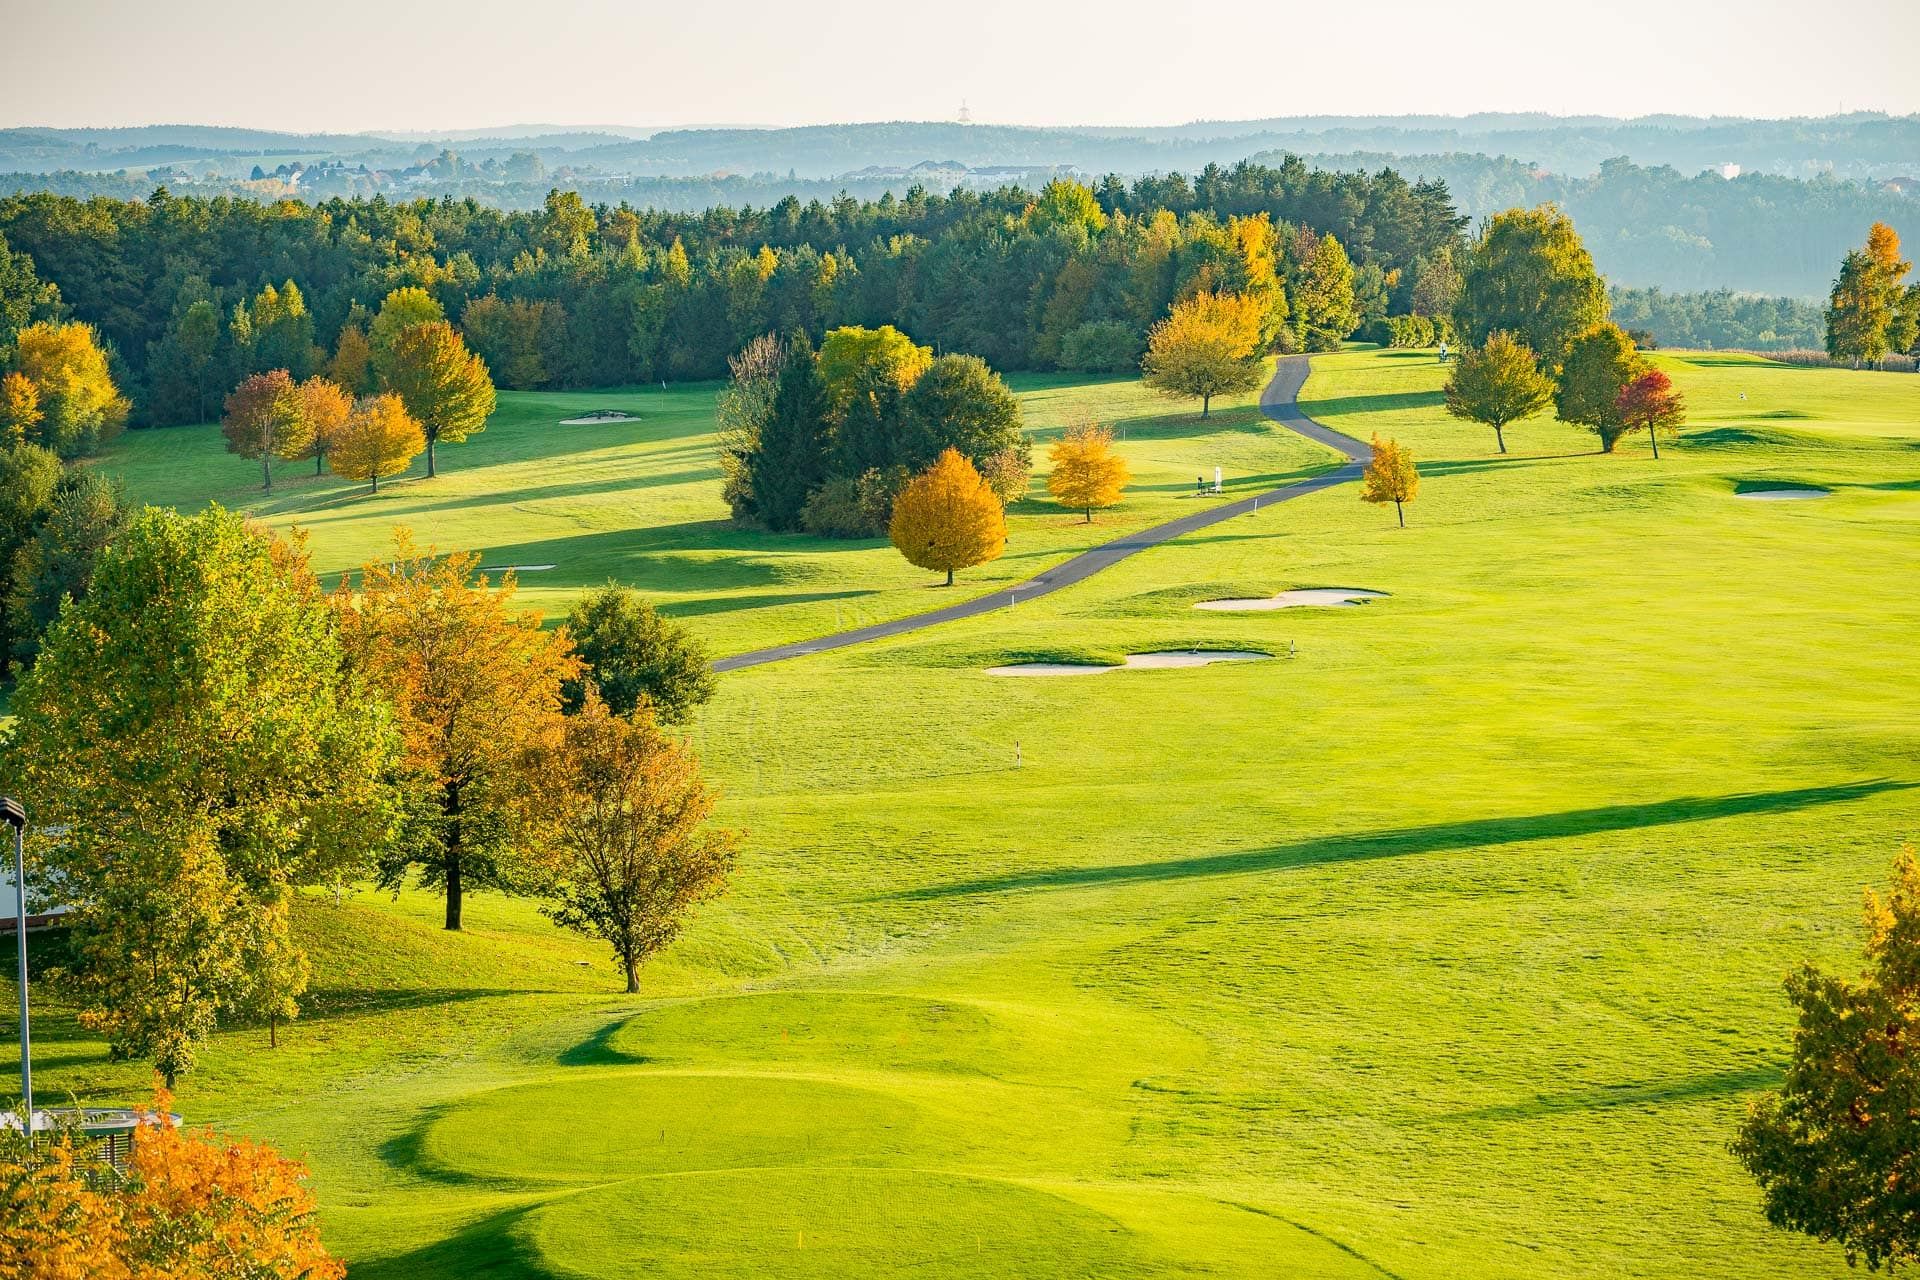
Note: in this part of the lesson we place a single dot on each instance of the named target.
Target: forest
(191, 295)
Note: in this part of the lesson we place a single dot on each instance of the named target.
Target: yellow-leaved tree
(1086, 473)
(379, 438)
(446, 387)
(325, 405)
(78, 407)
(1208, 345)
(948, 517)
(1391, 477)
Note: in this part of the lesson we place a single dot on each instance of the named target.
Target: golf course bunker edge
(1784, 493)
(1157, 661)
(1299, 598)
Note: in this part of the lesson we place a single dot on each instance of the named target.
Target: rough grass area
(1450, 947)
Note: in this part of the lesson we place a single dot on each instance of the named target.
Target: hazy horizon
(440, 67)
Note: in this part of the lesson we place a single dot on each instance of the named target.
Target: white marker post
(1216, 480)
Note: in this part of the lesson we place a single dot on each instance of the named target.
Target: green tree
(189, 728)
(960, 403)
(84, 513)
(1528, 274)
(29, 476)
(1324, 309)
(791, 460)
(1833, 1150)
(401, 310)
(740, 415)
(1600, 364)
(629, 851)
(444, 386)
(635, 657)
(1497, 383)
(183, 366)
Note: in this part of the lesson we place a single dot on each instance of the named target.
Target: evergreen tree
(791, 458)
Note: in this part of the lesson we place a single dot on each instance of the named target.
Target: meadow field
(1450, 945)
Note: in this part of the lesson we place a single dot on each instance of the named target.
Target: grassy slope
(1449, 947)
(640, 502)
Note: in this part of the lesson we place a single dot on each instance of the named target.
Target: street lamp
(16, 817)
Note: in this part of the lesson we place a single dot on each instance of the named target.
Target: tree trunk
(375, 477)
(430, 471)
(1401, 512)
(266, 470)
(1653, 434)
(319, 464)
(1206, 404)
(1499, 437)
(451, 808)
(273, 1031)
(633, 975)
(949, 577)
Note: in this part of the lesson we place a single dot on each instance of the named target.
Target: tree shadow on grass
(1437, 838)
(490, 1249)
(323, 1003)
(1384, 402)
(731, 604)
(1712, 1084)
(597, 1049)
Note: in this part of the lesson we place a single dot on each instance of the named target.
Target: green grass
(1450, 947)
(640, 502)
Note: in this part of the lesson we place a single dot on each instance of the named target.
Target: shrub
(1101, 346)
(854, 506)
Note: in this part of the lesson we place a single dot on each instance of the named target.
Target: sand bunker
(517, 568)
(1795, 493)
(1135, 661)
(1304, 598)
(603, 415)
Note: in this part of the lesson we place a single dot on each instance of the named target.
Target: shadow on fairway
(1438, 838)
(1320, 410)
(1712, 1084)
(491, 1247)
(323, 1003)
(597, 1049)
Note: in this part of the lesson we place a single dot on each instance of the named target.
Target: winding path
(1280, 401)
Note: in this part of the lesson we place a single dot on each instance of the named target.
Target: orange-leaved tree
(1086, 473)
(1390, 477)
(1651, 403)
(266, 419)
(474, 684)
(324, 404)
(948, 517)
(379, 438)
(626, 843)
(192, 1203)
(446, 387)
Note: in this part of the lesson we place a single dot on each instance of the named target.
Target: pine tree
(791, 458)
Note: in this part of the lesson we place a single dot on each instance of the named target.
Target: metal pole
(16, 817)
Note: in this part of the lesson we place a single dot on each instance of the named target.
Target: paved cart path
(1280, 401)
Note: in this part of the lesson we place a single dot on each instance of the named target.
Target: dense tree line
(193, 295)
(1718, 319)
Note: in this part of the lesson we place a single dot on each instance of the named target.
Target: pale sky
(368, 65)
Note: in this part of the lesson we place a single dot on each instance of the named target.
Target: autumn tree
(853, 358)
(473, 683)
(1529, 274)
(20, 413)
(948, 517)
(266, 419)
(1834, 1149)
(445, 387)
(635, 657)
(189, 728)
(1390, 477)
(1599, 366)
(627, 848)
(351, 367)
(1087, 473)
(1208, 345)
(1324, 309)
(324, 407)
(1497, 383)
(191, 1203)
(1650, 403)
(379, 438)
(79, 406)
(1867, 308)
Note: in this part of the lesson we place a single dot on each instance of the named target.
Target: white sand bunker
(1795, 493)
(1135, 661)
(516, 568)
(600, 415)
(1304, 598)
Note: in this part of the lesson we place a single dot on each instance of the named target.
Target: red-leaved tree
(1650, 403)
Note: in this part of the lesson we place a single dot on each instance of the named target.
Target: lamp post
(16, 817)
